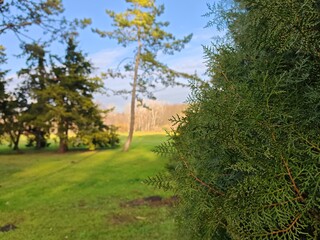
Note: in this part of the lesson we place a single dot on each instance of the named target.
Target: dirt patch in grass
(117, 219)
(155, 201)
(7, 228)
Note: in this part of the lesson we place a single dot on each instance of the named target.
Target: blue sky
(185, 17)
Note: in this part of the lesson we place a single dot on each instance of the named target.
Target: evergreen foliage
(36, 77)
(246, 157)
(3, 94)
(96, 135)
(70, 93)
(12, 107)
(24, 18)
(12, 123)
(61, 95)
(17, 15)
(2, 73)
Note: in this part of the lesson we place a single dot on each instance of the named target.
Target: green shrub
(245, 160)
(102, 138)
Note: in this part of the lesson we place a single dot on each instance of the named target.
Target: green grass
(78, 195)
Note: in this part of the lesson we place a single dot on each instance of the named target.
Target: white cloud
(203, 36)
(191, 60)
(190, 64)
(108, 58)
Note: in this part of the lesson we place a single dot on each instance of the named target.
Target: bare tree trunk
(133, 100)
(15, 137)
(63, 136)
(63, 145)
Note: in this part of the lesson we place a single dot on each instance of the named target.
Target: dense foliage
(3, 94)
(23, 110)
(55, 96)
(246, 158)
(61, 94)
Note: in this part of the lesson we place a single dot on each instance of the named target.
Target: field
(84, 194)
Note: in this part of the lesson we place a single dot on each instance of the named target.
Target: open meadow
(84, 194)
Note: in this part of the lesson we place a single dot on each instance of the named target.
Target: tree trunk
(63, 136)
(41, 142)
(15, 138)
(133, 100)
(63, 145)
(16, 144)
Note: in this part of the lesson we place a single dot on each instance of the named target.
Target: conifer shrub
(245, 159)
(93, 138)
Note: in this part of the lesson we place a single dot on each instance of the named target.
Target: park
(145, 119)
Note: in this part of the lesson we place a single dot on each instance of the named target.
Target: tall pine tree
(139, 26)
(61, 92)
(70, 94)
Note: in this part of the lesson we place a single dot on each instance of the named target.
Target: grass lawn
(83, 195)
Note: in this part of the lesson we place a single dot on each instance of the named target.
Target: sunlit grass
(78, 195)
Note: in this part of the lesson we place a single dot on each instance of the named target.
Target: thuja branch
(294, 185)
(197, 179)
(314, 146)
(300, 198)
(284, 230)
(206, 185)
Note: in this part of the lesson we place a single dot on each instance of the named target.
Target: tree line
(154, 118)
(55, 96)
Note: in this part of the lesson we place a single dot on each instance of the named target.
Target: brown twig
(285, 202)
(212, 189)
(314, 146)
(206, 185)
(294, 185)
(273, 137)
(285, 230)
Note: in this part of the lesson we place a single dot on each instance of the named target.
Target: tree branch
(212, 189)
(294, 185)
(284, 230)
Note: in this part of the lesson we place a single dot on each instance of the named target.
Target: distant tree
(11, 118)
(12, 107)
(60, 92)
(69, 94)
(36, 77)
(3, 94)
(98, 135)
(2, 72)
(139, 25)
(154, 118)
(18, 17)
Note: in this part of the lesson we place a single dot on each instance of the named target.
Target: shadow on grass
(5, 150)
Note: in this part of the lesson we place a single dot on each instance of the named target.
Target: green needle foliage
(17, 16)
(246, 157)
(61, 96)
(70, 94)
(12, 107)
(3, 94)
(139, 26)
(2, 73)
